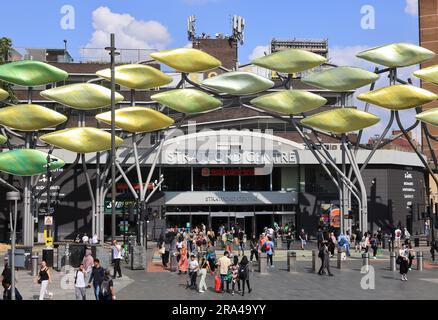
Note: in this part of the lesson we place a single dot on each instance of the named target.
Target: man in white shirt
(224, 263)
(80, 283)
(117, 256)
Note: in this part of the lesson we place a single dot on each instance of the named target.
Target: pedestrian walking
(211, 256)
(44, 278)
(319, 238)
(7, 284)
(411, 254)
(203, 270)
(374, 244)
(397, 237)
(324, 255)
(269, 249)
(88, 262)
(244, 274)
(235, 275)
(96, 277)
(223, 264)
(193, 272)
(106, 291)
(403, 261)
(183, 262)
(80, 283)
(254, 245)
(117, 256)
(332, 244)
(303, 238)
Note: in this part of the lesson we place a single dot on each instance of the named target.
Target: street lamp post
(13, 196)
(112, 50)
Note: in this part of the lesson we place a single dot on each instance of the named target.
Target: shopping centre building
(232, 165)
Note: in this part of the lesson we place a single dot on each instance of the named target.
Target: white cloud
(412, 7)
(257, 52)
(130, 34)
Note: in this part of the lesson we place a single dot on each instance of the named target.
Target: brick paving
(155, 283)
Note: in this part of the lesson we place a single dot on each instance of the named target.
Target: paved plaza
(156, 283)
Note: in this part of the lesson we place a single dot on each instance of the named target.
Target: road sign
(48, 220)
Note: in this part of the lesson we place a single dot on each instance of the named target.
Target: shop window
(202, 181)
(176, 179)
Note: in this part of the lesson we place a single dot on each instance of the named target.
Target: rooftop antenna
(191, 21)
(238, 29)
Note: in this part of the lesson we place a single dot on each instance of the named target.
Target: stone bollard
(35, 264)
(314, 256)
(392, 264)
(173, 263)
(263, 263)
(420, 261)
(291, 261)
(339, 258)
(366, 260)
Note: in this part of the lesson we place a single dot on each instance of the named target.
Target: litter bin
(48, 257)
(19, 258)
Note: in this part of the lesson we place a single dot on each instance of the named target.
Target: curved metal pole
(429, 144)
(131, 188)
(363, 191)
(90, 187)
(408, 138)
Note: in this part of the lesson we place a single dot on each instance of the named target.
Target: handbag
(399, 260)
(162, 249)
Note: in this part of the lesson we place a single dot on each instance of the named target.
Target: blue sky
(37, 23)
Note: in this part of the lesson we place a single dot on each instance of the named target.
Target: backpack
(105, 287)
(242, 273)
(266, 247)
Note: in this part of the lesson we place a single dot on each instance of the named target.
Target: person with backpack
(268, 248)
(106, 291)
(211, 256)
(80, 283)
(244, 274)
(96, 277)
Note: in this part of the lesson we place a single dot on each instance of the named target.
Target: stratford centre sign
(230, 147)
(230, 198)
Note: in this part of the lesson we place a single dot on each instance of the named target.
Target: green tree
(5, 55)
